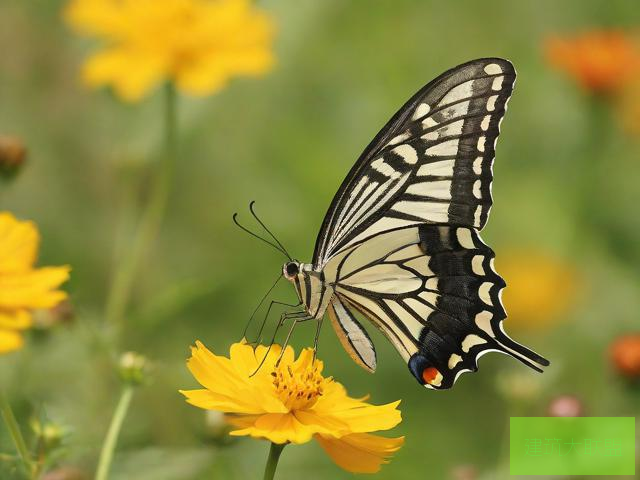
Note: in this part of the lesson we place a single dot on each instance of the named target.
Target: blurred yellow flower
(540, 288)
(292, 402)
(600, 61)
(197, 44)
(23, 287)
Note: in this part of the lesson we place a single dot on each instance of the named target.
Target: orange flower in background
(540, 288)
(197, 44)
(22, 286)
(292, 402)
(625, 355)
(600, 61)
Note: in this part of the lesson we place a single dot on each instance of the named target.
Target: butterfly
(400, 243)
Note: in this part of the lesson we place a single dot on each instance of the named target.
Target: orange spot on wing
(429, 374)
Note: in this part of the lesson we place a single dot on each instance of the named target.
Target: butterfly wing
(431, 163)
(401, 240)
(434, 294)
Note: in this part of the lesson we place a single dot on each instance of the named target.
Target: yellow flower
(540, 288)
(197, 44)
(600, 61)
(23, 287)
(292, 403)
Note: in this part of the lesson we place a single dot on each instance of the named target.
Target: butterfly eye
(291, 269)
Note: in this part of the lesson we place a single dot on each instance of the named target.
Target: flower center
(297, 390)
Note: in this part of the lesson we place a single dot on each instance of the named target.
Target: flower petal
(15, 319)
(277, 428)
(360, 452)
(33, 288)
(208, 400)
(368, 418)
(356, 414)
(219, 375)
(132, 74)
(243, 358)
(18, 244)
(322, 423)
(10, 341)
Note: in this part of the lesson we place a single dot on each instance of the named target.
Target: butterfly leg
(286, 340)
(283, 317)
(317, 337)
(264, 297)
(266, 317)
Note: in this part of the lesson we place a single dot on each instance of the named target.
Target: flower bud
(49, 434)
(12, 155)
(133, 368)
(565, 406)
(625, 355)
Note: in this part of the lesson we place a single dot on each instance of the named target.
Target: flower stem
(152, 216)
(272, 462)
(16, 434)
(110, 441)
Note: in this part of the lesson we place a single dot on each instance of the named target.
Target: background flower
(22, 286)
(198, 44)
(292, 403)
(600, 61)
(625, 355)
(540, 288)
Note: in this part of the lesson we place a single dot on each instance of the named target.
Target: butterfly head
(291, 269)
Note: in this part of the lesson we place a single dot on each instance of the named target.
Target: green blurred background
(566, 188)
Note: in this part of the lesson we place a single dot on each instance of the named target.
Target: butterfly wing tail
(512, 348)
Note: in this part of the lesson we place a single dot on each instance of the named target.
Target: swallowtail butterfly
(400, 243)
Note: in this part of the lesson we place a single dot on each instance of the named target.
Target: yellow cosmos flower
(292, 402)
(23, 287)
(540, 288)
(197, 44)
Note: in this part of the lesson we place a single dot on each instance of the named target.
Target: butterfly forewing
(432, 163)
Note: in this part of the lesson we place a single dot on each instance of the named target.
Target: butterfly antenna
(255, 215)
(244, 333)
(235, 220)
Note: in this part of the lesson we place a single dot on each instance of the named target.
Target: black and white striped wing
(431, 163)
(433, 292)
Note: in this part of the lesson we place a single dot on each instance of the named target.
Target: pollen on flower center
(298, 389)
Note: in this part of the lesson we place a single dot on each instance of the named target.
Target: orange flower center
(297, 390)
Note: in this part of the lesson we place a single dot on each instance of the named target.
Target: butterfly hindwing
(435, 296)
(431, 163)
(353, 337)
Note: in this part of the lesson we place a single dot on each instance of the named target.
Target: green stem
(16, 434)
(152, 216)
(272, 462)
(110, 441)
